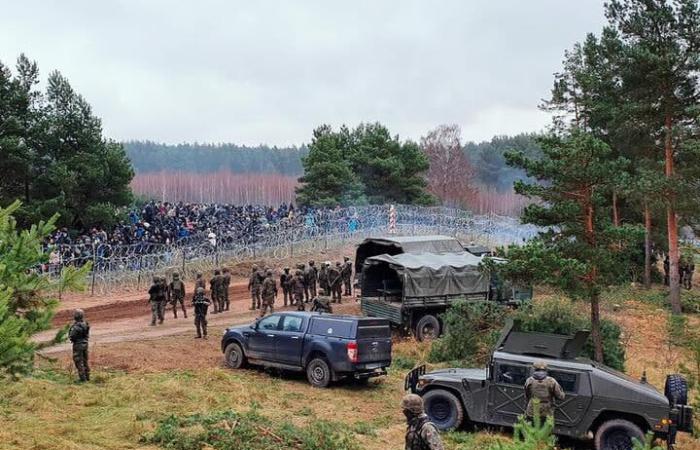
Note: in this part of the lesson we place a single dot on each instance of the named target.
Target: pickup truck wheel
(318, 373)
(427, 328)
(617, 435)
(234, 356)
(444, 409)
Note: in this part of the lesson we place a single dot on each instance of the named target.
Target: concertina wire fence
(130, 267)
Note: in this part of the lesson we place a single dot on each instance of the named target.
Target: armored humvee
(601, 404)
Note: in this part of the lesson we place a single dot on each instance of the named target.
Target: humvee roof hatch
(541, 344)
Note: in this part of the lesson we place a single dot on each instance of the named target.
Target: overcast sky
(253, 72)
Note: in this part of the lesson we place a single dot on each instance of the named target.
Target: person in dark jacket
(176, 294)
(79, 334)
(201, 305)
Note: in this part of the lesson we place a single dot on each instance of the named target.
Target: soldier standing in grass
(268, 294)
(347, 276)
(201, 305)
(226, 284)
(79, 334)
(286, 285)
(176, 292)
(544, 389)
(421, 434)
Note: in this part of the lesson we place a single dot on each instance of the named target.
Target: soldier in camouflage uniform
(421, 434)
(298, 290)
(268, 293)
(254, 283)
(335, 282)
(201, 305)
(542, 388)
(286, 285)
(176, 294)
(79, 334)
(200, 282)
(346, 273)
(226, 276)
(157, 296)
(323, 279)
(311, 278)
(216, 285)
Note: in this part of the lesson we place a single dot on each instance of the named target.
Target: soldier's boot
(184, 310)
(175, 309)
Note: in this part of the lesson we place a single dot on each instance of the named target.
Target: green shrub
(648, 443)
(530, 436)
(228, 429)
(403, 362)
(690, 302)
(560, 316)
(471, 329)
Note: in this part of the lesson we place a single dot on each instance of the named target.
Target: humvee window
(567, 380)
(512, 374)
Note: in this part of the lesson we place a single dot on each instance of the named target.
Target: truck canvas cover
(394, 245)
(435, 274)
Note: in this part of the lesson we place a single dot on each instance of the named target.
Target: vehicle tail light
(352, 351)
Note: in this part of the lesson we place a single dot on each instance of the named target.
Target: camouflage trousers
(181, 301)
(225, 300)
(255, 300)
(287, 293)
(347, 282)
(267, 302)
(157, 311)
(80, 359)
(200, 323)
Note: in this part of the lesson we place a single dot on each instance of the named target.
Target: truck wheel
(318, 373)
(234, 357)
(617, 435)
(676, 390)
(444, 409)
(427, 328)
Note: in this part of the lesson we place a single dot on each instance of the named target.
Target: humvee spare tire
(444, 409)
(617, 435)
(427, 328)
(676, 390)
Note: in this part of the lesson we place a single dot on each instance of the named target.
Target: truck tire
(318, 373)
(234, 358)
(617, 435)
(676, 390)
(444, 409)
(427, 328)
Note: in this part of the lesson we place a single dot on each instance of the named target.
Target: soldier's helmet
(156, 279)
(298, 273)
(413, 403)
(286, 269)
(78, 315)
(217, 272)
(346, 258)
(176, 276)
(337, 263)
(267, 268)
(226, 270)
(199, 274)
(199, 291)
(269, 272)
(539, 365)
(327, 263)
(311, 263)
(255, 267)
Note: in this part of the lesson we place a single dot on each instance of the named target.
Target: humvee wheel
(427, 328)
(617, 435)
(676, 390)
(233, 356)
(444, 409)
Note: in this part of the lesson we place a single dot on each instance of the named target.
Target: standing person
(176, 293)
(689, 269)
(201, 305)
(298, 290)
(157, 298)
(312, 278)
(286, 285)
(347, 276)
(199, 281)
(254, 288)
(335, 282)
(421, 434)
(216, 286)
(543, 388)
(304, 274)
(226, 285)
(323, 278)
(79, 334)
(268, 293)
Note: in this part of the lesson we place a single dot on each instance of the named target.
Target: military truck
(412, 290)
(601, 404)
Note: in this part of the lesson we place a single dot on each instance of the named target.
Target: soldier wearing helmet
(201, 305)
(158, 297)
(200, 281)
(286, 280)
(176, 294)
(254, 283)
(543, 389)
(268, 294)
(298, 290)
(79, 334)
(335, 281)
(421, 434)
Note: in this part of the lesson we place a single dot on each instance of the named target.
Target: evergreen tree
(26, 306)
(54, 155)
(582, 252)
(661, 59)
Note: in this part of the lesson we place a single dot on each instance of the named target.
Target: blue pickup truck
(327, 347)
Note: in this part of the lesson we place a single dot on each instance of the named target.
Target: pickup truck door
(507, 393)
(261, 342)
(290, 340)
